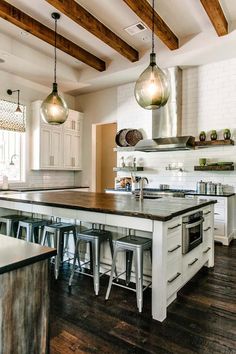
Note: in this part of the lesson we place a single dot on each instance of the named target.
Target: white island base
(170, 268)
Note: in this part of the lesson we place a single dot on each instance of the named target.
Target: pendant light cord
(153, 19)
(55, 53)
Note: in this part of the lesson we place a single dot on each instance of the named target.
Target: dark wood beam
(216, 15)
(83, 18)
(143, 10)
(29, 24)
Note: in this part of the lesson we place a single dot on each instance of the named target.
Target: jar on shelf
(227, 134)
(213, 135)
(202, 136)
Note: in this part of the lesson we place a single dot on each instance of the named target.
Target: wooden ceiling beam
(82, 17)
(29, 24)
(216, 15)
(143, 10)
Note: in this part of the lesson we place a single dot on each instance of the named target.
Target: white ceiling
(30, 58)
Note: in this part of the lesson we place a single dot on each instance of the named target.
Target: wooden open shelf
(212, 143)
(127, 169)
(214, 168)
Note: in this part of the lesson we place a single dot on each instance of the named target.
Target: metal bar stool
(136, 245)
(11, 223)
(33, 228)
(95, 237)
(58, 230)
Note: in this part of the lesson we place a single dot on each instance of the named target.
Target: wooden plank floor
(201, 320)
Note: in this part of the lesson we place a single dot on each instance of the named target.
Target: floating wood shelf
(125, 148)
(214, 168)
(127, 169)
(212, 143)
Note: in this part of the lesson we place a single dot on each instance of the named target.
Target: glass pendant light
(152, 88)
(54, 109)
(18, 111)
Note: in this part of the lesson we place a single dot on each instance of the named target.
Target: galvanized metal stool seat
(33, 228)
(95, 237)
(58, 231)
(11, 223)
(131, 245)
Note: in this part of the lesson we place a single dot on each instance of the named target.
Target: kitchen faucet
(141, 185)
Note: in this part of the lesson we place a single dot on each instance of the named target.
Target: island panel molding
(143, 10)
(85, 19)
(20, 19)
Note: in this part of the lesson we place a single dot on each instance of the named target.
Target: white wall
(30, 92)
(209, 102)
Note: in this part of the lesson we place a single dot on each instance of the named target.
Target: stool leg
(91, 255)
(139, 277)
(29, 233)
(76, 255)
(129, 258)
(112, 273)
(8, 227)
(43, 238)
(58, 240)
(112, 251)
(96, 264)
(74, 262)
(18, 235)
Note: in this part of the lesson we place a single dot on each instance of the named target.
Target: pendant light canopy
(152, 88)
(18, 109)
(54, 109)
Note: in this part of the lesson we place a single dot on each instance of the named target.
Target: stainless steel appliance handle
(208, 212)
(208, 228)
(189, 226)
(174, 227)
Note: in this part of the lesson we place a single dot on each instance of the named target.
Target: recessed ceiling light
(2, 61)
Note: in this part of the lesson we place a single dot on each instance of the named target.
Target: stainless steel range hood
(167, 121)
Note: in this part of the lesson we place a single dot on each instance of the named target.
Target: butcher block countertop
(158, 209)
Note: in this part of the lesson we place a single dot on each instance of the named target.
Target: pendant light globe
(54, 109)
(152, 89)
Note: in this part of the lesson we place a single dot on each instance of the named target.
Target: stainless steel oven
(192, 231)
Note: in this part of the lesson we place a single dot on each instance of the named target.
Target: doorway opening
(104, 158)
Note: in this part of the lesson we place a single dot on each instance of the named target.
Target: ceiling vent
(137, 28)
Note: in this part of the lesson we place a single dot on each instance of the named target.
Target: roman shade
(9, 119)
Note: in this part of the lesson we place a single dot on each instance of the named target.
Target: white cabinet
(224, 212)
(56, 147)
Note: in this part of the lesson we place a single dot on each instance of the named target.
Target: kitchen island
(24, 296)
(160, 219)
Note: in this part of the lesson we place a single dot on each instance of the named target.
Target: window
(12, 143)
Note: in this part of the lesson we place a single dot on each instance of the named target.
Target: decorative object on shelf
(152, 88)
(54, 109)
(212, 143)
(18, 109)
(202, 161)
(214, 167)
(227, 134)
(128, 137)
(213, 135)
(202, 136)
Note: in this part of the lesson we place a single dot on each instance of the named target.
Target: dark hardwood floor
(201, 320)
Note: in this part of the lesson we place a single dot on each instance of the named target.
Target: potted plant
(213, 135)
(202, 136)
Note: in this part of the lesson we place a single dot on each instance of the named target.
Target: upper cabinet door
(72, 153)
(56, 149)
(45, 148)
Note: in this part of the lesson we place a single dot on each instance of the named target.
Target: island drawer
(174, 246)
(192, 262)
(174, 277)
(174, 226)
(207, 237)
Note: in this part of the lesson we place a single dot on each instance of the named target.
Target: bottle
(4, 182)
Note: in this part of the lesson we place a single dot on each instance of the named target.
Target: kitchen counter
(29, 189)
(162, 209)
(24, 296)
